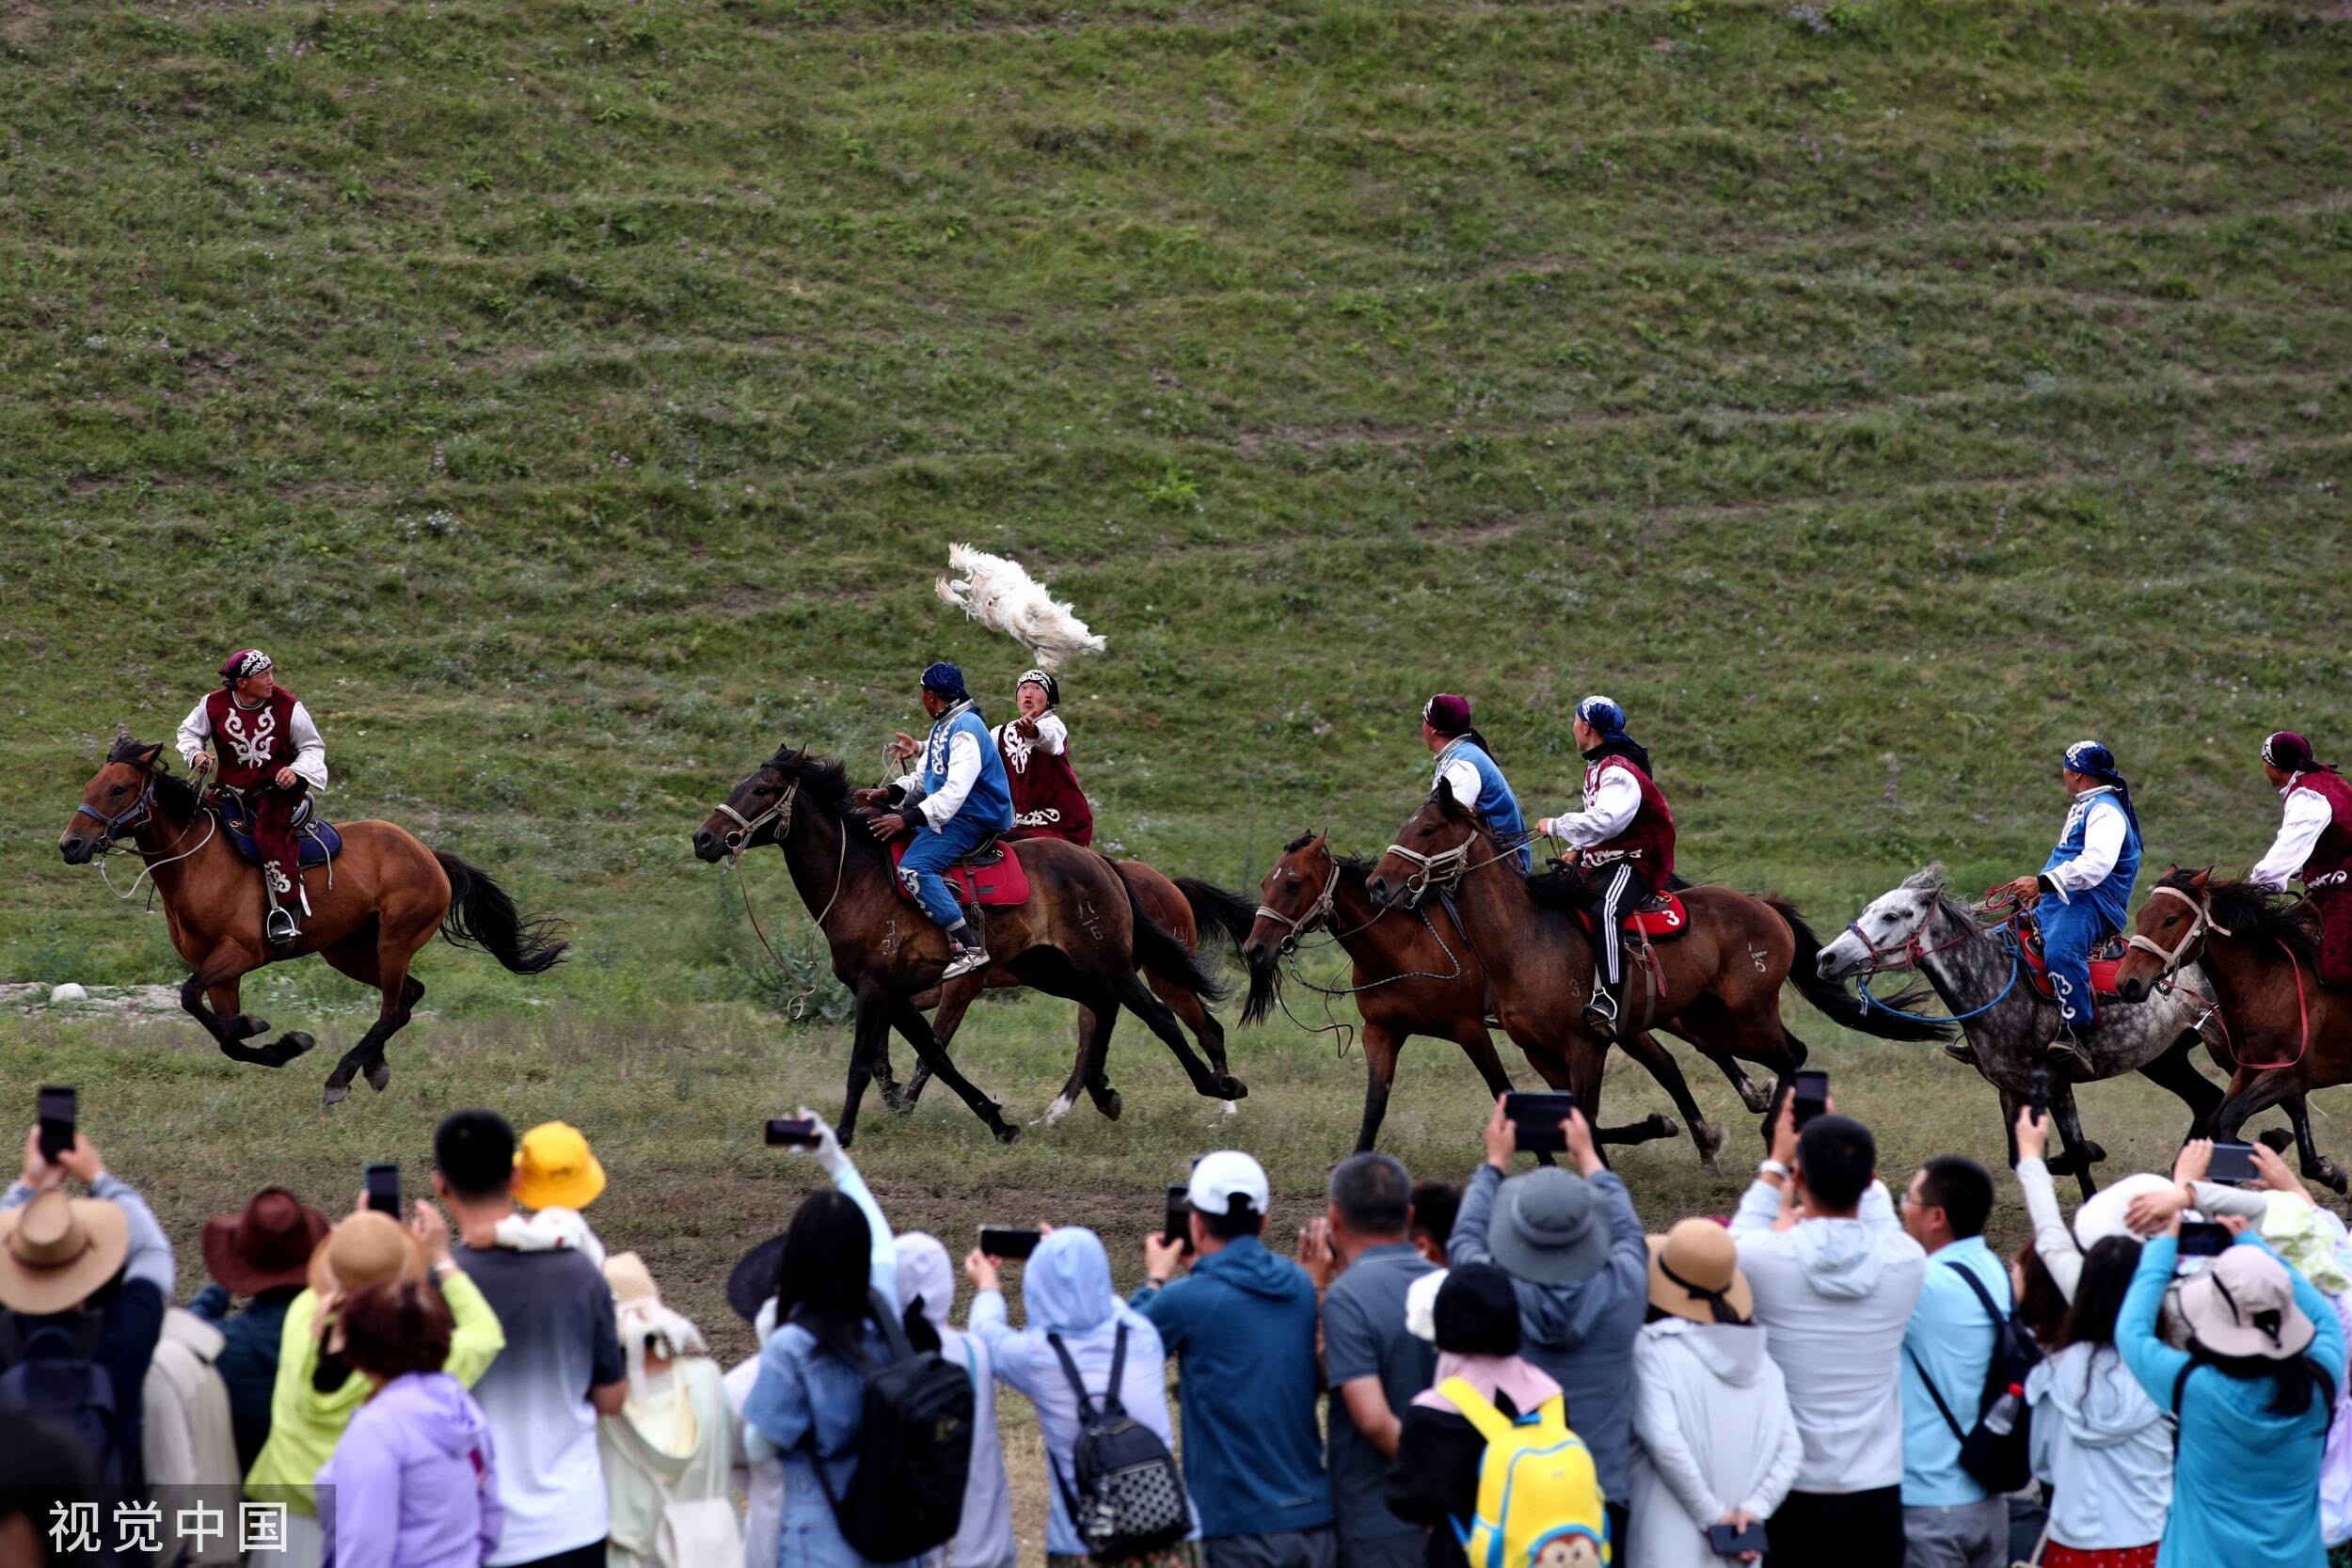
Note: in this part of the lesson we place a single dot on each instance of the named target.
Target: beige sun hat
(363, 1249)
(1695, 1266)
(56, 1250)
(2242, 1304)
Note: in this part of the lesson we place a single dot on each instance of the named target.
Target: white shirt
(2308, 816)
(964, 772)
(1610, 807)
(1052, 737)
(309, 761)
(1461, 778)
(2102, 841)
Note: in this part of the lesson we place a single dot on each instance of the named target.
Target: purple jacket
(411, 1484)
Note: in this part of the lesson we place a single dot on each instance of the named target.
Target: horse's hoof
(336, 1094)
(2093, 1153)
(1109, 1105)
(245, 1026)
(1709, 1138)
(1754, 1095)
(893, 1098)
(1227, 1110)
(2279, 1139)
(1006, 1132)
(379, 1077)
(1226, 1087)
(2331, 1175)
(295, 1044)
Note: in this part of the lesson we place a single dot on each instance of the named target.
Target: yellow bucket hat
(553, 1168)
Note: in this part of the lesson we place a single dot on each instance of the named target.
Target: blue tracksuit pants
(2069, 932)
(931, 853)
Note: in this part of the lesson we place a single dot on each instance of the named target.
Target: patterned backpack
(1128, 1497)
(1539, 1499)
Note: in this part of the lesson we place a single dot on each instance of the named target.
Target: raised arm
(2155, 1363)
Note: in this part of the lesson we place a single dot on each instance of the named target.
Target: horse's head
(758, 809)
(2169, 933)
(1293, 899)
(1432, 851)
(119, 797)
(1886, 935)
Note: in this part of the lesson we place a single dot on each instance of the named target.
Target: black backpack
(1129, 1498)
(2001, 1462)
(914, 1452)
(73, 1391)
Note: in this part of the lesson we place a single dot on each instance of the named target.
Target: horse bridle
(141, 809)
(1909, 953)
(738, 838)
(2178, 954)
(1316, 914)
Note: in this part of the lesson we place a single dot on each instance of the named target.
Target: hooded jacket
(1581, 1334)
(2104, 1447)
(1712, 1432)
(1837, 1295)
(984, 1539)
(413, 1482)
(1242, 1329)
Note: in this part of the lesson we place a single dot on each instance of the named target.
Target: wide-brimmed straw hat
(1694, 1273)
(56, 1250)
(361, 1249)
(554, 1169)
(2242, 1304)
(266, 1244)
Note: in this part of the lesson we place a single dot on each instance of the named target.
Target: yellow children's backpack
(1539, 1499)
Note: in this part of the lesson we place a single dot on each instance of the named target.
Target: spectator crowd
(1513, 1373)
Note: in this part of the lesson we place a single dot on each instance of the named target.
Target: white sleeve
(2103, 840)
(197, 728)
(1053, 735)
(1615, 803)
(963, 771)
(1460, 777)
(1657, 1429)
(310, 748)
(2052, 1239)
(2308, 816)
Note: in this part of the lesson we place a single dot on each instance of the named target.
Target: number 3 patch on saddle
(996, 882)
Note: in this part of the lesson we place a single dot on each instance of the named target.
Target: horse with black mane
(373, 905)
(1082, 933)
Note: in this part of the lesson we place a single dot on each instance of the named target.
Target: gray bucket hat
(1549, 1227)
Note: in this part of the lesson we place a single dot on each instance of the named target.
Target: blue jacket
(2250, 1491)
(990, 802)
(1502, 807)
(247, 1362)
(2112, 898)
(1951, 1336)
(1243, 1330)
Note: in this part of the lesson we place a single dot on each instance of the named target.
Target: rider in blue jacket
(2085, 891)
(956, 795)
(1465, 765)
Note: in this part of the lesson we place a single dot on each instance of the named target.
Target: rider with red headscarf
(1046, 800)
(2314, 842)
(1467, 767)
(274, 756)
(1624, 843)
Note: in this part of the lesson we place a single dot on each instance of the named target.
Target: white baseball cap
(1220, 1177)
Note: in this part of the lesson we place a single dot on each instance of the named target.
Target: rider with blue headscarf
(953, 800)
(1624, 843)
(2085, 891)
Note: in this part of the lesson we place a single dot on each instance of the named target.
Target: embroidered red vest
(251, 745)
(1046, 800)
(2333, 850)
(1648, 840)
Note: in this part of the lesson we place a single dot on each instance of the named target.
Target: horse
(2283, 1033)
(1718, 983)
(1189, 908)
(1979, 972)
(1410, 980)
(373, 907)
(1082, 933)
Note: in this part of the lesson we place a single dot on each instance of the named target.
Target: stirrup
(2069, 1048)
(965, 961)
(279, 927)
(1601, 1016)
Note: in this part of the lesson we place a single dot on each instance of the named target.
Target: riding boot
(1963, 1052)
(2067, 1052)
(965, 951)
(1602, 1012)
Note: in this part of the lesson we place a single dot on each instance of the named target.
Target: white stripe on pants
(1606, 912)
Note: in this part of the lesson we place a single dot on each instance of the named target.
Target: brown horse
(1412, 978)
(2283, 1035)
(378, 902)
(1081, 934)
(1719, 982)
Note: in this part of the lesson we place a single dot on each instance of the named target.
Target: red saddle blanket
(2102, 972)
(993, 883)
(1658, 918)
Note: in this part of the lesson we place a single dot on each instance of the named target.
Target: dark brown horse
(372, 910)
(1411, 978)
(1081, 934)
(2281, 1035)
(1719, 982)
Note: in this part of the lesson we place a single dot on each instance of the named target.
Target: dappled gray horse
(1981, 977)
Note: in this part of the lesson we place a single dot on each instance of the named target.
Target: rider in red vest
(270, 754)
(1046, 800)
(2314, 842)
(1624, 845)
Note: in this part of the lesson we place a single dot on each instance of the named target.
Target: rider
(1624, 839)
(2314, 842)
(1046, 800)
(2085, 891)
(960, 796)
(274, 756)
(1465, 765)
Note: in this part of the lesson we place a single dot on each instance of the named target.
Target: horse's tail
(1891, 1019)
(1218, 910)
(1160, 953)
(483, 914)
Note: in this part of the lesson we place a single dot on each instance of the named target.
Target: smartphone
(2203, 1239)
(2040, 1095)
(1811, 1093)
(792, 1132)
(1731, 1542)
(56, 1121)
(1536, 1118)
(1177, 1226)
(383, 1188)
(1001, 1241)
(2233, 1163)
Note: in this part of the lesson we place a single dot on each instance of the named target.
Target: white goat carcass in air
(998, 594)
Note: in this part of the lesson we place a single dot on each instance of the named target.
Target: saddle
(2103, 967)
(315, 842)
(989, 876)
(1654, 919)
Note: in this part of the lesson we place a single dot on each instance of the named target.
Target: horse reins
(1913, 954)
(739, 839)
(141, 810)
(2177, 955)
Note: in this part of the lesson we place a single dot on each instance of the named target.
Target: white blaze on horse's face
(1878, 934)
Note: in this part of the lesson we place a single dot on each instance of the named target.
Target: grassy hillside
(577, 399)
